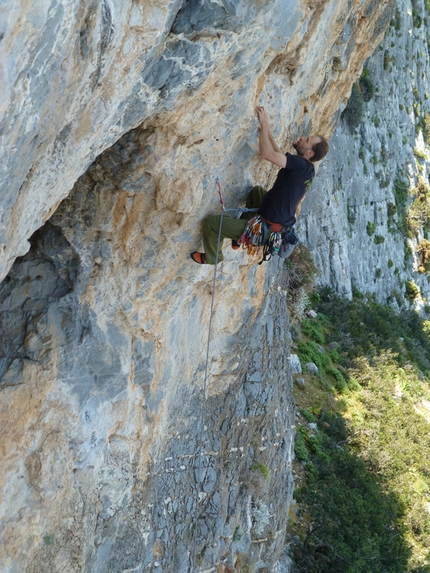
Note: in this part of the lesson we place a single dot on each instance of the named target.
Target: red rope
(218, 187)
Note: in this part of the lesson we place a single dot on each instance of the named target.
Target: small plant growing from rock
(370, 228)
(354, 110)
(412, 291)
(263, 469)
(423, 249)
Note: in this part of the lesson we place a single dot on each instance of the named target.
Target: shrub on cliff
(354, 110)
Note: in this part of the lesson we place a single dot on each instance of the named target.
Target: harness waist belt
(274, 227)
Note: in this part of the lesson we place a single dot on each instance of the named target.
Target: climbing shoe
(198, 258)
(235, 245)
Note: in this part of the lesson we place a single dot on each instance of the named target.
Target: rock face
(118, 452)
(351, 219)
(78, 75)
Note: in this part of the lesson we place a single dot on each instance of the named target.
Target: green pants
(231, 228)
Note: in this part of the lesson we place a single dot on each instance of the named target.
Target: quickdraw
(254, 236)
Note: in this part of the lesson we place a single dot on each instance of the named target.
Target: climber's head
(313, 148)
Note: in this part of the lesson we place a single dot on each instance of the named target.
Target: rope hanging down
(202, 411)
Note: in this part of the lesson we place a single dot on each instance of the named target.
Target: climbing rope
(201, 430)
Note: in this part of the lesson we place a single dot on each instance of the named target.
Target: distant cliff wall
(354, 218)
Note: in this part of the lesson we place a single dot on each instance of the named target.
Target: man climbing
(278, 207)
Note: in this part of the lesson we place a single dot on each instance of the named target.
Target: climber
(279, 207)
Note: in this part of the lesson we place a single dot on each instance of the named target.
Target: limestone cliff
(116, 120)
(353, 219)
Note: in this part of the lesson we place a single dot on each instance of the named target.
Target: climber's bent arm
(268, 148)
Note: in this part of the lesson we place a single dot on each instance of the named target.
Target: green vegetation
(379, 239)
(376, 121)
(423, 249)
(336, 64)
(424, 126)
(388, 60)
(354, 110)
(370, 228)
(363, 500)
(263, 469)
(352, 217)
(391, 209)
(411, 289)
(301, 270)
(419, 211)
(396, 21)
(419, 153)
(366, 85)
(401, 196)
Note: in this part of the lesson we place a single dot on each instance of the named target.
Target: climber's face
(304, 145)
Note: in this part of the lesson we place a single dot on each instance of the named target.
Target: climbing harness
(279, 243)
(259, 233)
(255, 235)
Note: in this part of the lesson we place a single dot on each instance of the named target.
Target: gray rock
(296, 367)
(312, 368)
(300, 382)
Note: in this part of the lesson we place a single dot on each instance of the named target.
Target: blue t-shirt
(280, 203)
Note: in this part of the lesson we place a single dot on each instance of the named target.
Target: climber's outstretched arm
(268, 148)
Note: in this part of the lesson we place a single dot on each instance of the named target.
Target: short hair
(320, 149)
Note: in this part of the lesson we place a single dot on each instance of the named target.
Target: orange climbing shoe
(235, 245)
(198, 258)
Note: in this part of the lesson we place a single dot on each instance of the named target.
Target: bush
(391, 209)
(354, 111)
(366, 85)
(370, 228)
(379, 239)
(423, 249)
(313, 329)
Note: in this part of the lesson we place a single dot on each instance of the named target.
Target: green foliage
(419, 212)
(263, 469)
(424, 127)
(354, 111)
(301, 271)
(352, 217)
(408, 252)
(391, 209)
(308, 415)
(370, 228)
(417, 19)
(423, 249)
(376, 121)
(309, 352)
(353, 518)
(379, 239)
(313, 329)
(401, 195)
(364, 327)
(420, 154)
(366, 85)
(396, 21)
(336, 64)
(390, 264)
(367, 480)
(300, 449)
(411, 289)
